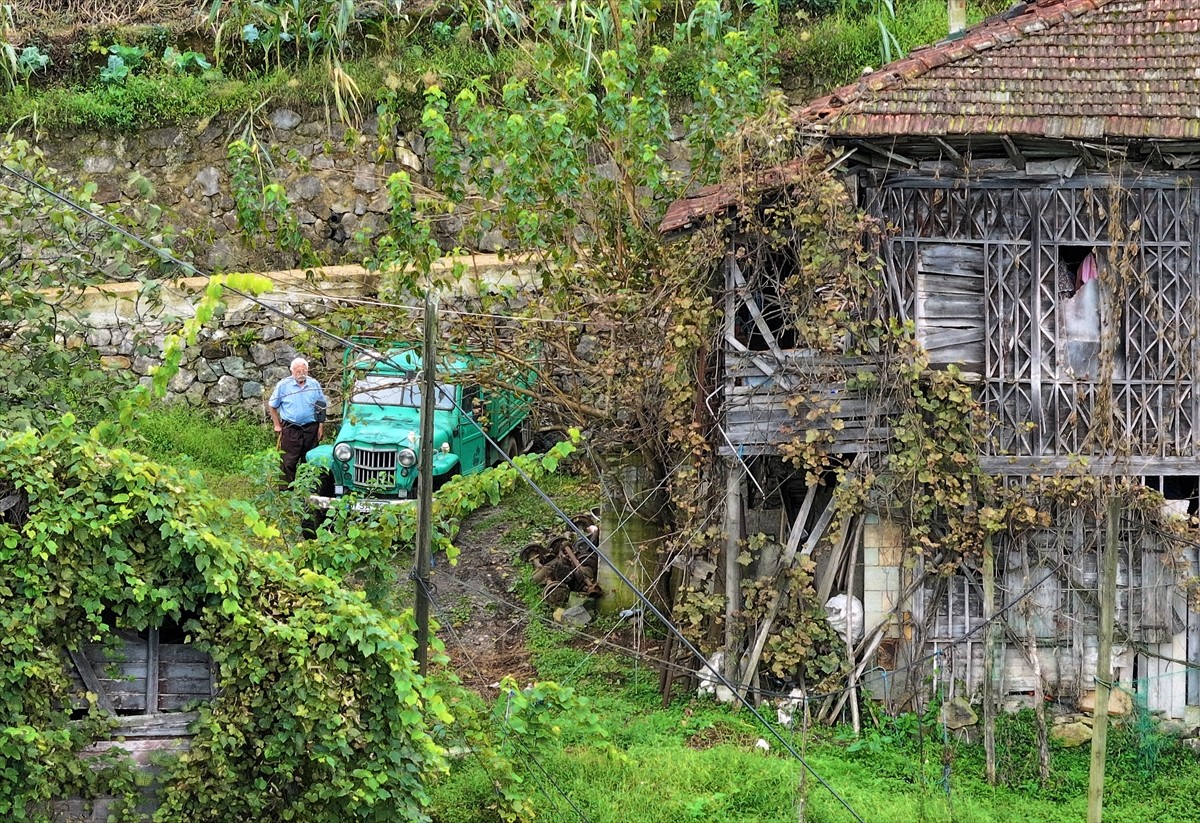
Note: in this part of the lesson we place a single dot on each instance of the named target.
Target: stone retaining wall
(335, 183)
(242, 354)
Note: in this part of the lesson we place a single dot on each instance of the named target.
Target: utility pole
(956, 11)
(425, 479)
(1108, 608)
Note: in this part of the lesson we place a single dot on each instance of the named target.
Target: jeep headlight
(407, 458)
(342, 452)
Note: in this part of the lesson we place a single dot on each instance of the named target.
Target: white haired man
(297, 409)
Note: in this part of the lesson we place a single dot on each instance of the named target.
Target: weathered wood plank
(155, 725)
(177, 652)
(1016, 466)
(197, 669)
(950, 258)
(949, 339)
(185, 685)
(937, 306)
(176, 702)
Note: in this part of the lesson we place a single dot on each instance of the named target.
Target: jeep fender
(321, 456)
(444, 464)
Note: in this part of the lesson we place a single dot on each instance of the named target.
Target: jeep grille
(375, 468)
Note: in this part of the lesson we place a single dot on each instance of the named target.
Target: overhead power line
(647, 604)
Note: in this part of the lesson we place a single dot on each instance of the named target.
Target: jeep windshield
(381, 390)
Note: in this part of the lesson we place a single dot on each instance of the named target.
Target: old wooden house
(1037, 175)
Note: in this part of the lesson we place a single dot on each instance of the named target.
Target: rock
(492, 241)
(226, 391)
(98, 338)
(1071, 735)
(261, 354)
(116, 362)
(372, 225)
(307, 188)
(222, 255)
(1175, 728)
(209, 181)
(408, 159)
(311, 309)
(285, 119)
(234, 367)
(214, 350)
(322, 162)
(181, 381)
(284, 355)
(380, 203)
(588, 348)
(1119, 702)
(273, 374)
(161, 138)
(270, 334)
(574, 616)
(101, 164)
(366, 177)
(194, 396)
(205, 373)
(958, 714)
(143, 364)
(252, 390)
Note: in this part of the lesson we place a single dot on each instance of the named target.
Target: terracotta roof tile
(1075, 68)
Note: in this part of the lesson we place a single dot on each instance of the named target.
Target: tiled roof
(1086, 69)
(712, 200)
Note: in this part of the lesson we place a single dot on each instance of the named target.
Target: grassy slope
(816, 55)
(696, 760)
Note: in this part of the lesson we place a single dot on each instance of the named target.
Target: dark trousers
(295, 441)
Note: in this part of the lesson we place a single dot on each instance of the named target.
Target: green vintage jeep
(375, 455)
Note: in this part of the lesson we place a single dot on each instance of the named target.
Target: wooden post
(1108, 607)
(989, 659)
(425, 481)
(735, 484)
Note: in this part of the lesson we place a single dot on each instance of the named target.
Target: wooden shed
(1038, 177)
(151, 682)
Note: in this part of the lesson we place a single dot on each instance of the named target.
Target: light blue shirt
(296, 402)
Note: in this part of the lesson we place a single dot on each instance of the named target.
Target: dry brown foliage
(54, 16)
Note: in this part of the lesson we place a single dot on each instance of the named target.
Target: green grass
(696, 760)
(820, 54)
(834, 50)
(217, 447)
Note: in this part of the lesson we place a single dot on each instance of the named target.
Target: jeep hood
(397, 427)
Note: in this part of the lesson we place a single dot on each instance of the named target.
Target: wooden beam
(152, 672)
(785, 562)
(890, 155)
(1014, 154)
(91, 681)
(949, 150)
(1078, 466)
(760, 322)
(735, 492)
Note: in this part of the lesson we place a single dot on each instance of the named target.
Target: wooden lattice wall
(976, 265)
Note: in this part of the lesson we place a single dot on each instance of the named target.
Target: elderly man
(294, 409)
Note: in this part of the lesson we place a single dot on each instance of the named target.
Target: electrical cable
(646, 602)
